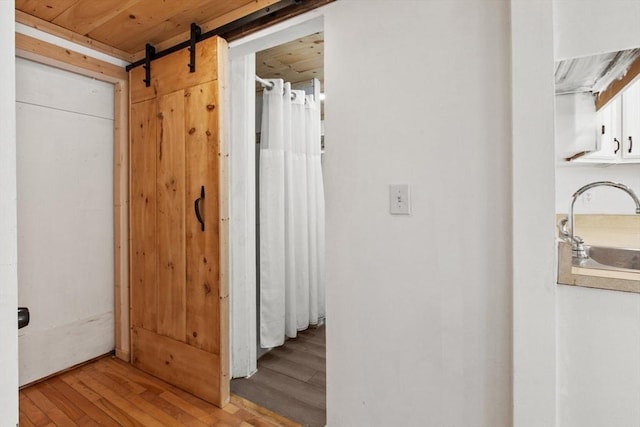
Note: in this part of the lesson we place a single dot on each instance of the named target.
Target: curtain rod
(269, 85)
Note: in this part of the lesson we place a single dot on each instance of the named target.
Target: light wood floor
(291, 379)
(109, 392)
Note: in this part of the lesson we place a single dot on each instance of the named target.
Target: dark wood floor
(109, 392)
(291, 380)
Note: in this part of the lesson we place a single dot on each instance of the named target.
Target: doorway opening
(289, 379)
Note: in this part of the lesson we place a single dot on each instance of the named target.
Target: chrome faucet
(577, 242)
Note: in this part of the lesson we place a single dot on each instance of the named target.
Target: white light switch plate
(399, 202)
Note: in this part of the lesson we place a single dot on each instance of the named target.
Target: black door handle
(23, 317)
(197, 208)
(630, 144)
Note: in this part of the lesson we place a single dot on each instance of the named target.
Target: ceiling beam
(47, 53)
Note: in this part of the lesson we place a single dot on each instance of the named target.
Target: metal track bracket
(195, 38)
(149, 54)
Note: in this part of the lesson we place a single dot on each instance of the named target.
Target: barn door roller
(195, 38)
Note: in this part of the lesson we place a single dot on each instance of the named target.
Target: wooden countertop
(618, 231)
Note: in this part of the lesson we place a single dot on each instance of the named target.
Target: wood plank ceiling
(127, 25)
(297, 62)
(122, 28)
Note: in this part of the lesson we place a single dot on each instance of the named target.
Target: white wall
(8, 231)
(534, 267)
(598, 331)
(419, 306)
(589, 27)
(598, 358)
(598, 200)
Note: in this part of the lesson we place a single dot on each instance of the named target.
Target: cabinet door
(575, 126)
(631, 122)
(608, 134)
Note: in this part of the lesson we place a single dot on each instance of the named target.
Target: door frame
(242, 182)
(65, 59)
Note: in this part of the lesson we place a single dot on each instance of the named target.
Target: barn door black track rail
(197, 36)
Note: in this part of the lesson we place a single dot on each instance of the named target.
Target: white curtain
(291, 215)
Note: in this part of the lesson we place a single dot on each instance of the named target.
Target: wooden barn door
(179, 289)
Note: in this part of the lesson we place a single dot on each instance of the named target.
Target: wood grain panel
(122, 27)
(93, 396)
(25, 421)
(143, 215)
(83, 404)
(203, 11)
(60, 401)
(260, 412)
(154, 353)
(150, 21)
(191, 282)
(121, 218)
(170, 73)
(58, 31)
(617, 86)
(171, 215)
(137, 24)
(297, 61)
(211, 23)
(46, 10)
(32, 412)
(118, 405)
(223, 207)
(72, 61)
(176, 413)
(86, 15)
(202, 246)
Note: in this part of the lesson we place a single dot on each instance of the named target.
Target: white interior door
(65, 217)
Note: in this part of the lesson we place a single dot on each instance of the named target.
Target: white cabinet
(630, 144)
(575, 126)
(618, 129)
(609, 129)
